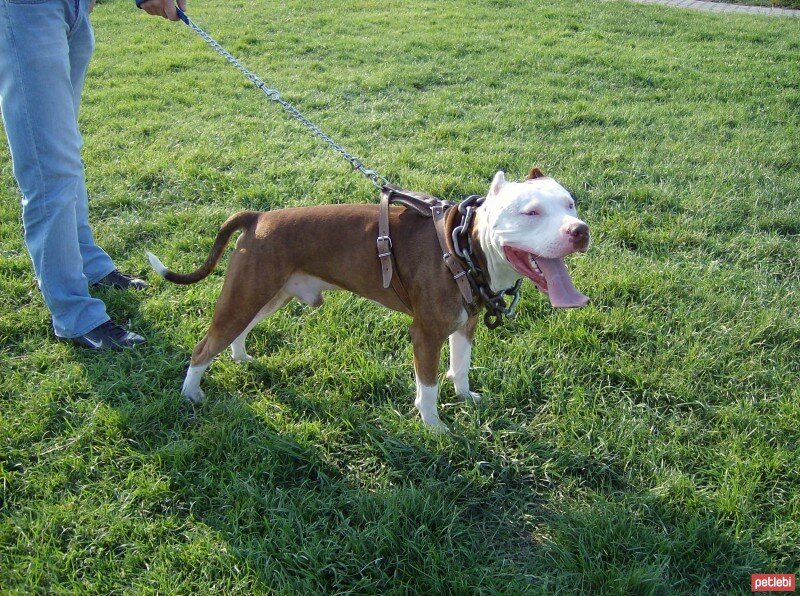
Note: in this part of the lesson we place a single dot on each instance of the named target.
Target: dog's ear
(534, 174)
(498, 183)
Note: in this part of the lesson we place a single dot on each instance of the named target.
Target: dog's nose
(579, 233)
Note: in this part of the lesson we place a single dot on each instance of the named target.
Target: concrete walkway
(721, 7)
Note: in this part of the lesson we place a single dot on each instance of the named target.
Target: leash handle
(182, 15)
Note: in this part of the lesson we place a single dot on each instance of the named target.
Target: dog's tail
(237, 221)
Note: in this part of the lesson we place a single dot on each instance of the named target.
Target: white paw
(242, 358)
(435, 425)
(450, 375)
(472, 396)
(195, 396)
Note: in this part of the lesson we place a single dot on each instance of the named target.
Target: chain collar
(496, 306)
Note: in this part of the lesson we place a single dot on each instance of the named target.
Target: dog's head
(526, 229)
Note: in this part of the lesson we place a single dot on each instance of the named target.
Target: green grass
(648, 443)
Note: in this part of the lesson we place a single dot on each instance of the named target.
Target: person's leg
(38, 108)
(96, 263)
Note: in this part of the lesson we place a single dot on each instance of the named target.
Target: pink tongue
(560, 290)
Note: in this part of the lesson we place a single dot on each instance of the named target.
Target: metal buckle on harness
(388, 245)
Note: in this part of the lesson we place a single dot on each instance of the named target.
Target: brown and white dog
(523, 229)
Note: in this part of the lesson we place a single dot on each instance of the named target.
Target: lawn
(648, 443)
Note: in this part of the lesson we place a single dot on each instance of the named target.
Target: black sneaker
(108, 336)
(115, 279)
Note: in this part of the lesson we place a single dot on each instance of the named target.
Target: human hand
(163, 8)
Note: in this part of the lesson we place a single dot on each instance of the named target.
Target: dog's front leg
(460, 355)
(427, 350)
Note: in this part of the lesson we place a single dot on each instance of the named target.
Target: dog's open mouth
(548, 275)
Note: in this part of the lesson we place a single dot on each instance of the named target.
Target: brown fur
(534, 174)
(335, 243)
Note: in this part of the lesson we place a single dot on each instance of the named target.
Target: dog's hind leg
(238, 351)
(306, 288)
(191, 384)
(427, 350)
(227, 325)
(460, 355)
(244, 294)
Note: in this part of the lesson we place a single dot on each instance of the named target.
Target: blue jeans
(45, 46)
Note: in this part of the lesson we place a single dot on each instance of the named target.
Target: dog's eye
(531, 212)
(572, 195)
(571, 206)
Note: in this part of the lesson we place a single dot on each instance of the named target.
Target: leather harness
(426, 206)
(384, 243)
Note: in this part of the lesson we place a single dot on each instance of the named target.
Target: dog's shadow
(287, 493)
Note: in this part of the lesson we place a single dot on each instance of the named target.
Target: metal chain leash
(274, 95)
(496, 307)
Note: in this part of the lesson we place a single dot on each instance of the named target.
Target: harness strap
(384, 241)
(418, 202)
(456, 268)
(384, 245)
(426, 206)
